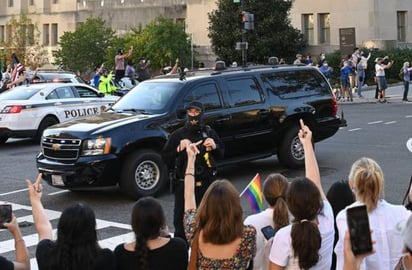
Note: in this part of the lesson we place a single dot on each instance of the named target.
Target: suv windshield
(150, 96)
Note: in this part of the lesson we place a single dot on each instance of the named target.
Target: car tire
(45, 123)
(144, 174)
(3, 139)
(291, 152)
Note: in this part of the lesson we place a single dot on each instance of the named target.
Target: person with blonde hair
(219, 240)
(367, 182)
(275, 216)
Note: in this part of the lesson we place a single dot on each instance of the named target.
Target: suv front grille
(61, 149)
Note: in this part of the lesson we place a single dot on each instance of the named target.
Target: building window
(9, 32)
(30, 34)
(2, 33)
(324, 28)
(55, 1)
(401, 18)
(31, 3)
(11, 3)
(308, 31)
(46, 34)
(54, 34)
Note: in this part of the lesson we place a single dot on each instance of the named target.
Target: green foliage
(85, 48)
(162, 41)
(24, 41)
(273, 34)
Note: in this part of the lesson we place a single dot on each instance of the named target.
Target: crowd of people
(310, 227)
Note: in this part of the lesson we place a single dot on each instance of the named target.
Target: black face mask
(194, 123)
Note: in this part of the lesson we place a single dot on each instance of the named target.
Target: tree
(24, 41)
(162, 41)
(273, 34)
(85, 48)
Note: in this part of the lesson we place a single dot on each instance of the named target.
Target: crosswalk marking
(31, 240)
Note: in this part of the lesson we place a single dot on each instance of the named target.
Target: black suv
(255, 111)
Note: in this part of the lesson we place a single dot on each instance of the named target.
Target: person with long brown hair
(307, 243)
(219, 240)
(275, 216)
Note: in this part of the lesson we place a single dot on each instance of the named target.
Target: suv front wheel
(144, 174)
(291, 152)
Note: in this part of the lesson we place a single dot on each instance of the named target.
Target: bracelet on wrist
(190, 174)
(18, 240)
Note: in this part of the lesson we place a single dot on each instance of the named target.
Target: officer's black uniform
(205, 167)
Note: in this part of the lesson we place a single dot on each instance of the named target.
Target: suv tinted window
(207, 94)
(244, 91)
(291, 84)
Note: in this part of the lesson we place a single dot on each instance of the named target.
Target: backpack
(401, 73)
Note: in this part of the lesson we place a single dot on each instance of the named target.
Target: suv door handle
(223, 119)
(264, 112)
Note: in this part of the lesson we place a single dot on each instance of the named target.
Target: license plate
(57, 180)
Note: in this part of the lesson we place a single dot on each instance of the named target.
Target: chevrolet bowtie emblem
(194, 122)
(55, 146)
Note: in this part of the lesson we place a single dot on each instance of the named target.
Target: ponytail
(306, 242)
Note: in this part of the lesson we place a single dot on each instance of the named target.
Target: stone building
(375, 23)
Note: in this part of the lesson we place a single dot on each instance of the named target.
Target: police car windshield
(19, 93)
(149, 96)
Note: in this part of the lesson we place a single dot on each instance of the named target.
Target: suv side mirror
(181, 113)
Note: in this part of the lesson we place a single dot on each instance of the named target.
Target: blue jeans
(360, 83)
(405, 90)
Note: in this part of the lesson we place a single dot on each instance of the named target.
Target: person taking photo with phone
(22, 259)
(367, 182)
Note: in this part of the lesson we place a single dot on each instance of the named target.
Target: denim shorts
(381, 81)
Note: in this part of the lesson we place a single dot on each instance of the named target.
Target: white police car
(26, 111)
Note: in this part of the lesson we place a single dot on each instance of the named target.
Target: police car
(26, 111)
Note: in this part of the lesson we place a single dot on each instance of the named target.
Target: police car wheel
(45, 123)
(144, 174)
(3, 139)
(291, 152)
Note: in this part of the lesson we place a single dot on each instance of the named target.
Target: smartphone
(359, 230)
(268, 232)
(5, 214)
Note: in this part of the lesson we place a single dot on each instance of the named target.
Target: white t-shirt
(259, 221)
(379, 69)
(281, 252)
(382, 221)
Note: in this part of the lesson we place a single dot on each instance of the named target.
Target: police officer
(174, 154)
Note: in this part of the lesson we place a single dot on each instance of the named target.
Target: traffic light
(248, 20)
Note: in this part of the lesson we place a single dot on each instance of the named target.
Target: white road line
(58, 192)
(391, 122)
(354, 129)
(31, 240)
(375, 122)
(15, 191)
(408, 116)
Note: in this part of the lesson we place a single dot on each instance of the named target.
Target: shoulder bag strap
(194, 252)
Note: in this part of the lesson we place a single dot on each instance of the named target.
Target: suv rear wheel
(291, 152)
(144, 174)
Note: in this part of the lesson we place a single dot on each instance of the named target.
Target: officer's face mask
(194, 120)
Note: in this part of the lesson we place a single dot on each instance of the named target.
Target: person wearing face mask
(174, 155)
(143, 72)
(326, 70)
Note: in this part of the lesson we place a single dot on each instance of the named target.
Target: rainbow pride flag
(253, 193)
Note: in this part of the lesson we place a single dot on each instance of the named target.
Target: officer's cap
(194, 105)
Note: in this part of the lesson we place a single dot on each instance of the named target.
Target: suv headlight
(98, 146)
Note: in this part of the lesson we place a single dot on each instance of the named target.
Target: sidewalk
(393, 95)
